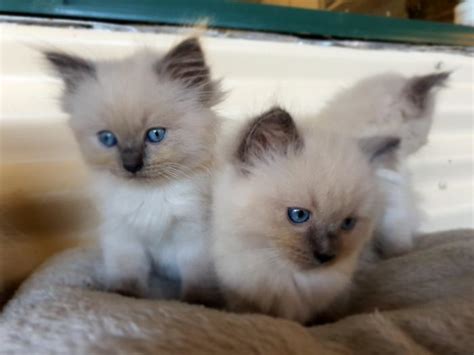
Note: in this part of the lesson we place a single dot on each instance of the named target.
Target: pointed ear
(419, 89)
(379, 149)
(272, 132)
(72, 69)
(186, 63)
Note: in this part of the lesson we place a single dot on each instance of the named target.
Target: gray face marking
(323, 244)
(132, 158)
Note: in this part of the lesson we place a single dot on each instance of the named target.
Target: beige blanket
(419, 303)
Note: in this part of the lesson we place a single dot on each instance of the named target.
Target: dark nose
(323, 244)
(323, 257)
(133, 167)
(132, 160)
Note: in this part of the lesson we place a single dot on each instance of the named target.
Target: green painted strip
(249, 16)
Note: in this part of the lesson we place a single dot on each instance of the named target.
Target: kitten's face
(313, 209)
(311, 199)
(142, 118)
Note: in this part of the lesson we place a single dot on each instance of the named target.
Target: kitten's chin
(314, 266)
(130, 179)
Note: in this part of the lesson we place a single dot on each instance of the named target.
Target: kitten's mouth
(138, 176)
(141, 177)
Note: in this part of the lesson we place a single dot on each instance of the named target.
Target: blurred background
(297, 53)
(432, 10)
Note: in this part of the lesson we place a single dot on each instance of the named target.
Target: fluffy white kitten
(146, 129)
(390, 104)
(292, 210)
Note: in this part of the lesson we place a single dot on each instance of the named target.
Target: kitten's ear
(272, 132)
(419, 90)
(380, 149)
(186, 63)
(72, 69)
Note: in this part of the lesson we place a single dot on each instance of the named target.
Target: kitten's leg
(396, 237)
(395, 230)
(198, 279)
(127, 266)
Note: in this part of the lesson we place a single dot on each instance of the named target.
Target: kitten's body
(390, 104)
(162, 229)
(264, 262)
(153, 191)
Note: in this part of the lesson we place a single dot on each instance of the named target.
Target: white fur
(249, 214)
(290, 294)
(399, 220)
(155, 220)
(148, 226)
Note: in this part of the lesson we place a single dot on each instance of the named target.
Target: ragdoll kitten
(390, 104)
(146, 129)
(292, 210)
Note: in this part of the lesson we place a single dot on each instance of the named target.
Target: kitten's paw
(130, 287)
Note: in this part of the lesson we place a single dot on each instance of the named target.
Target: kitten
(146, 129)
(390, 104)
(292, 210)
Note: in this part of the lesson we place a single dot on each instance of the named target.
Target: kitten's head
(308, 196)
(387, 104)
(146, 117)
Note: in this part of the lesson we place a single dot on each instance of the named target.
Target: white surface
(257, 74)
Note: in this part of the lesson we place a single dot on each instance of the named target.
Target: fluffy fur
(264, 262)
(155, 218)
(390, 104)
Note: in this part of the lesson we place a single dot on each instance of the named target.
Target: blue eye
(349, 223)
(298, 215)
(107, 138)
(156, 135)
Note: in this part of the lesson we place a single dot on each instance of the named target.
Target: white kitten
(147, 131)
(293, 209)
(389, 104)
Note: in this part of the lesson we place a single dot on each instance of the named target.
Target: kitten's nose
(323, 257)
(133, 167)
(323, 244)
(132, 160)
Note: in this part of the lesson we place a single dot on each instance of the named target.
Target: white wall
(257, 74)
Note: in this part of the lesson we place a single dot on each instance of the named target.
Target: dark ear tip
(277, 112)
(427, 82)
(71, 68)
(274, 131)
(55, 55)
(52, 56)
(62, 59)
(192, 40)
(191, 43)
(439, 79)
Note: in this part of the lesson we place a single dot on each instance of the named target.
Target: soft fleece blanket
(419, 303)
